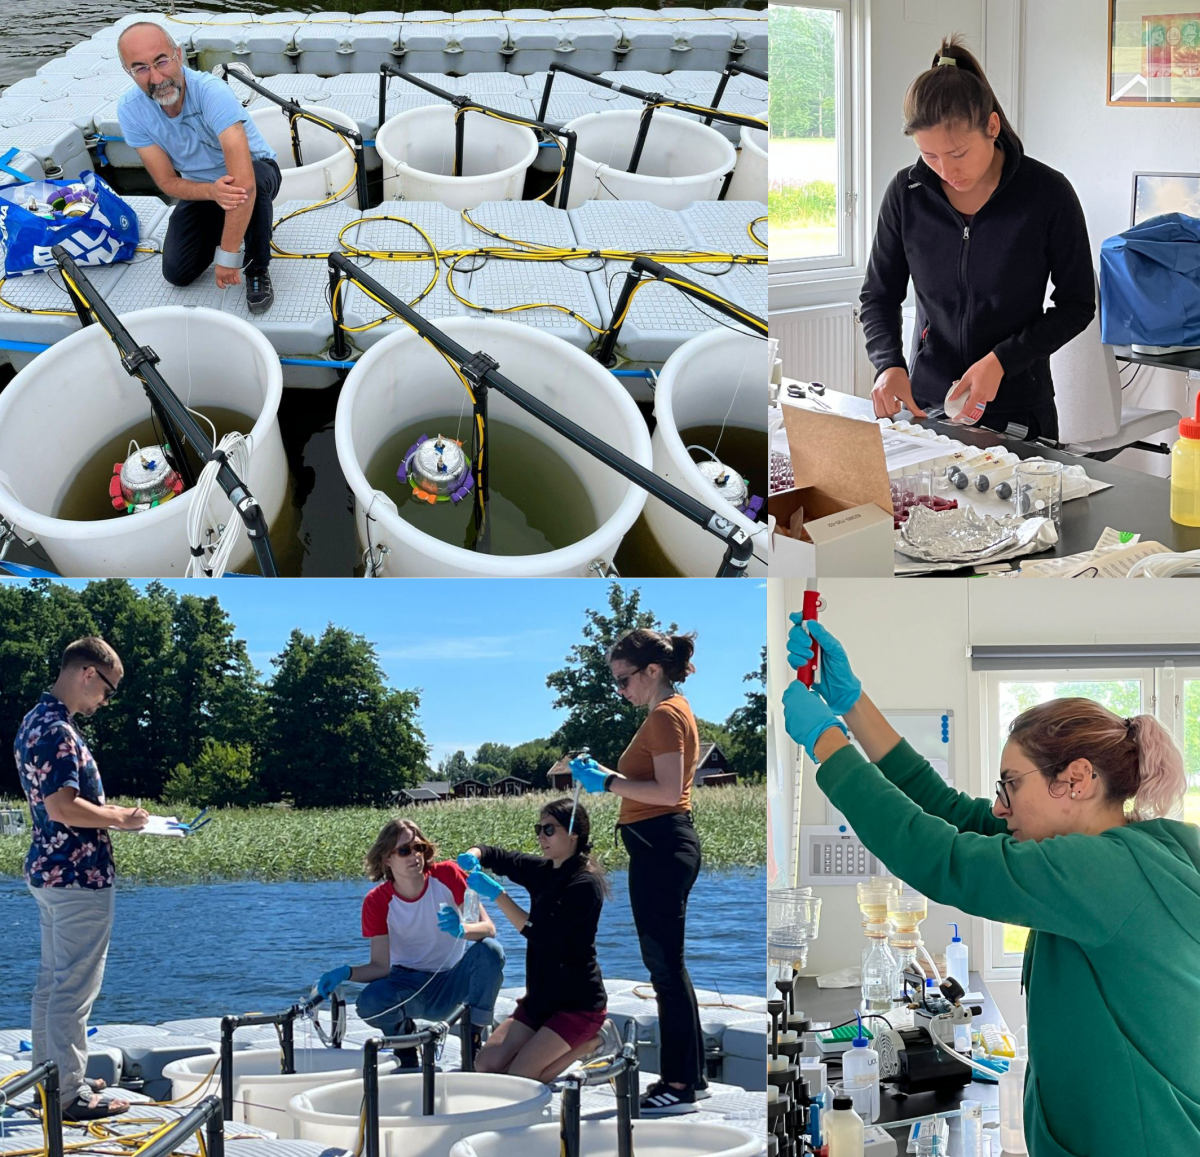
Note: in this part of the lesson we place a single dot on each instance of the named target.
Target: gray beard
(167, 98)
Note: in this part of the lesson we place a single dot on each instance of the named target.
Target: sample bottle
(1185, 472)
(972, 1127)
(844, 1133)
(878, 971)
(1012, 1106)
(470, 907)
(860, 1070)
(956, 959)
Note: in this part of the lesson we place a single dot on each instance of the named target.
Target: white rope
(202, 523)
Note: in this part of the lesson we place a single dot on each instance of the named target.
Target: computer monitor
(1157, 193)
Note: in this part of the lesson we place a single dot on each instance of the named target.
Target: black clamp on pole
(476, 369)
(732, 70)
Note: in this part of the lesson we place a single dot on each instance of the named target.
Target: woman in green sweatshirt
(1076, 848)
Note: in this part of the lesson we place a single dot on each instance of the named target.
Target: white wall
(909, 657)
(1068, 125)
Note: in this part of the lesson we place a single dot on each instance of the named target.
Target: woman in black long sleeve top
(981, 229)
(562, 1012)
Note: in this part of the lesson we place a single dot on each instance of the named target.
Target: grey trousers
(76, 924)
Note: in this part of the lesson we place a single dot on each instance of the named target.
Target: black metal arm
(465, 104)
(285, 1024)
(739, 548)
(731, 70)
(426, 1039)
(294, 111)
(46, 1075)
(206, 1115)
(650, 99)
(622, 1069)
(177, 421)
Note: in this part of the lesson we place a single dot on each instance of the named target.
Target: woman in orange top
(654, 780)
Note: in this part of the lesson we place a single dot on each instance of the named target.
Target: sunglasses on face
(141, 71)
(406, 850)
(112, 687)
(546, 830)
(622, 680)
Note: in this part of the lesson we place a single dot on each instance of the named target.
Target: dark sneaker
(702, 1092)
(259, 292)
(660, 1100)
(407, 1060)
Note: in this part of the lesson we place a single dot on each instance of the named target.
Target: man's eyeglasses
(622, 680)
(1002, 786)
(112, 687)
(546, 830)
(141, 71)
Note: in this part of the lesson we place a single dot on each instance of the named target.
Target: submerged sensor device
(144, 480)
(437, 469)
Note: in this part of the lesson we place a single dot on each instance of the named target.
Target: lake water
(211, 949)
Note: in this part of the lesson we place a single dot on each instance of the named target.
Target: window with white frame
(814, 118)
(1125, 691)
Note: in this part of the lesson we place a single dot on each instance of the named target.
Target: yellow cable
(562, 149)
(754, 236)
(704, 110)
(515, 308)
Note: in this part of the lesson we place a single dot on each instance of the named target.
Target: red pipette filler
(808, 611)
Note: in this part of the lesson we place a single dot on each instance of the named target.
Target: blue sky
(481, 649)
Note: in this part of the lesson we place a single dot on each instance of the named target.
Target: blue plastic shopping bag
(1150, 283)
(84, 216)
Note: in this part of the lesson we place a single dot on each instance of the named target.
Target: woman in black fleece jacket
(981, 229)
(560, 1017)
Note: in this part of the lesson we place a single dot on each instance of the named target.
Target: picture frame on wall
(1154, 53)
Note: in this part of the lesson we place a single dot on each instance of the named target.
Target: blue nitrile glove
(482, 883)
(838, 686)
(807, 717)
(588, 773)
(331, 979)
(449, 921)
(468, 862)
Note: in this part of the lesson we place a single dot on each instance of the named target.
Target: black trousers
(195, 228)
(664, 861)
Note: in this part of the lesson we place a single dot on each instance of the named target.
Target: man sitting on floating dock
(201, 146)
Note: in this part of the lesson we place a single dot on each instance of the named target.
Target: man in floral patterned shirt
(69, 868)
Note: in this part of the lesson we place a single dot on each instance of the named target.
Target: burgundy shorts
(575, 1027)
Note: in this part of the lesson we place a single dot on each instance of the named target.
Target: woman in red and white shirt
(424, 960)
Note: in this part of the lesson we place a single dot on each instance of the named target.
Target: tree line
(803, 91)
(195, 721)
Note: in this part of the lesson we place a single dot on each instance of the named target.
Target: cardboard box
(843, 489)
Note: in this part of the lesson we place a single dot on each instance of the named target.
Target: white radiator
(817, 344)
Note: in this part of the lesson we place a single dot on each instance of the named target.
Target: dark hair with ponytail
(673, 653)
(1136, 758)
(955, 94)
(560, 811)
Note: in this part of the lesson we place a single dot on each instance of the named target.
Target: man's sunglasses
(622, 680)
(112, 687)
(546, 830)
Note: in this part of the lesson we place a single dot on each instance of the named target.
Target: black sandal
(81, 1110)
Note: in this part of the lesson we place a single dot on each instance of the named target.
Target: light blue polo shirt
(190, 139)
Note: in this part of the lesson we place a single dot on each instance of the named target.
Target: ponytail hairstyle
(560, 811)
(1136, 758)
(955, 93)
(673, 653)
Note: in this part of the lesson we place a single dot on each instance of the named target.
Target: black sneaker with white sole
(702, 1092)
(259, 292)
(660, 1100)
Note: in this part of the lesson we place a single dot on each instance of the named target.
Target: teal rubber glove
(807, 717)
(449, 921)
(482, 883)
(331, 979)
(839, 686)
(468, 862)
(588, 773)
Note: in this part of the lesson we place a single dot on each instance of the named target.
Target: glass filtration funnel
(873, 897)
(793, 920)
(905, 913)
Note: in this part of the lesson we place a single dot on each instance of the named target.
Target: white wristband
(229, 260)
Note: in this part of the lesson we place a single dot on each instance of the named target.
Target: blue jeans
(474, 981)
